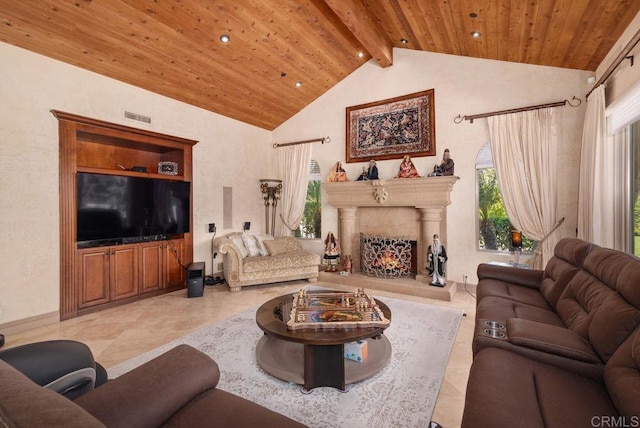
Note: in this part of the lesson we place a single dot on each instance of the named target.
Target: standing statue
(337, 173)
(407, 169)
(437, 257)
(331, 252)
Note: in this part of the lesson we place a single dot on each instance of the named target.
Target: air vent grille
(137, 117)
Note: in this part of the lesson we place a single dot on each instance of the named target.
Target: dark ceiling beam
(355, 16)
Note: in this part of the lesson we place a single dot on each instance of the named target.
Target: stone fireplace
(412, 208)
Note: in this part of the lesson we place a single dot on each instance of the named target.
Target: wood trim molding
(29, 323)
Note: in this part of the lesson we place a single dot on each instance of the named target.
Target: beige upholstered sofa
(260, 259)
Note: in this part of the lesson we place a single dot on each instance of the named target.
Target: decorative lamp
(516, 243)
(270, 193)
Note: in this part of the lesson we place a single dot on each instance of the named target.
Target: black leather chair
(64, 366)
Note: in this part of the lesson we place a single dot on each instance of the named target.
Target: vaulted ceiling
(173, 47)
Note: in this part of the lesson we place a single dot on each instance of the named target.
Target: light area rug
(403, 394)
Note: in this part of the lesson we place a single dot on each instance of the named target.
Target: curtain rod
(314, 140)
(624, 54)
(459, 119)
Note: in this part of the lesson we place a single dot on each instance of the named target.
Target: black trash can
(195, 279)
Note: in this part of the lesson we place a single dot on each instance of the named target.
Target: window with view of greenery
(310, 225)
(494, 226)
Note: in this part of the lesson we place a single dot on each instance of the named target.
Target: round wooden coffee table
(314, 358)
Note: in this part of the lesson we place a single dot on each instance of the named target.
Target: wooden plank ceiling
(173, 47)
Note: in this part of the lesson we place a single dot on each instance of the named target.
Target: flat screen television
(112, 207)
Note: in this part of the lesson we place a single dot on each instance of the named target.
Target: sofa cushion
(569, 255)
(619, 314)
(499, 309)
(506, 389)
(533, 287)
(589, 288)
(151, 393)
(516, 292)
(251, 244)
(282, 245)
(622, 377)
(239, 243)
(263, 248)
(217, 408)
(26, 404)
(286, 260)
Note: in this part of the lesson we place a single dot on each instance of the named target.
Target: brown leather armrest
(150, 394)
(525, 277)
(551, 339)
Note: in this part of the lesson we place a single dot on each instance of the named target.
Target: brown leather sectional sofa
(559, 347)
(176, 389)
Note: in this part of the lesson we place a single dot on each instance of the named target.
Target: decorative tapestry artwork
(392, 128)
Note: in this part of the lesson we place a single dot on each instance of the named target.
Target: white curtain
(524, 149)
(619, 146)
(591, 219)
(604, 212)
(293, 166)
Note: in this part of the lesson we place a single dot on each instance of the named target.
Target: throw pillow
(260, 239)
(292, 244)
(251, 244)
(237, 241)
(276, 246)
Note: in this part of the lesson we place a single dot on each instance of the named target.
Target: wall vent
(136, 116)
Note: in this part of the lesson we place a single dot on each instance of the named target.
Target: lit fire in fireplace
(388, 261)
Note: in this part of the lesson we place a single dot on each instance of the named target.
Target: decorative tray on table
(335, 310)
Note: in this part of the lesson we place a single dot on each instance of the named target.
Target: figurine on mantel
(437, 257)
(446, 167)
(371, 173)
(337, 174)
(407, 169)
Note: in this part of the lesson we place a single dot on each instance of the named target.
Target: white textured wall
(229, 153)
(462, 86)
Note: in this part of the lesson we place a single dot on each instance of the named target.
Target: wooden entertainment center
(100, 277)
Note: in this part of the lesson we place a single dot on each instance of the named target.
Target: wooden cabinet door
(151, 266)
(174, 274)
(124, 271)
(93, 276)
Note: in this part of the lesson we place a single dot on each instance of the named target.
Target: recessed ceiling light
(475, 34)
(404, 41)
(225, 38)
(298, 84)
(360, 54)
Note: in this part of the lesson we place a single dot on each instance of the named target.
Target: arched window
(310, 225)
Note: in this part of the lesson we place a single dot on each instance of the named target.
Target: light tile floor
(118, 334)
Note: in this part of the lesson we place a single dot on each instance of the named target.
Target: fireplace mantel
(360, 203)
(400, 192)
